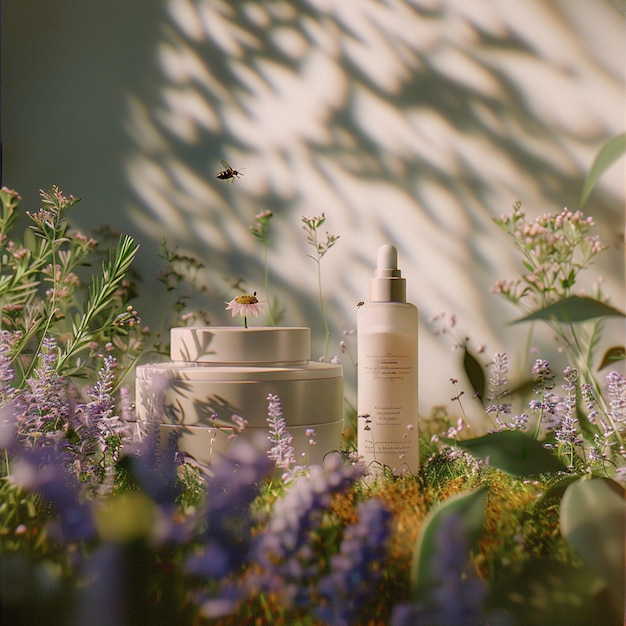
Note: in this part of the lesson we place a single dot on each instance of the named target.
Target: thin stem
(321, 297)
(270, 316)
(540, 417)
(583, 363)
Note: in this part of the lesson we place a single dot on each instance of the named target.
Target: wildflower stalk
(61, 264)
(322, 309)
(321, 247)
(182, 277)
(581, 356)
(266, 282)
(23, 269)
(51, 257)
(261, 230)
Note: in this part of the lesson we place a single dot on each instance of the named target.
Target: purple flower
(357, 568)
(457, 597)
(9, 413)
(616, 391)
(46, 404)
(285, 549)
(99, 433)
(498, 390)
(152, 463)
(498, 386)
(566, 429)
(281, 452)
(227, 539)
(7, 341)
(541, 371)
(45, 471)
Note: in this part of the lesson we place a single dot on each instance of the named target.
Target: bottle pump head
(387, 285)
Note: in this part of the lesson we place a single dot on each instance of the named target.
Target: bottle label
(387, 400)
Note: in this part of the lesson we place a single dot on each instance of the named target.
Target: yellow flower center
(246, 299)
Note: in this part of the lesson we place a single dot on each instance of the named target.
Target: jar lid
(232, 345)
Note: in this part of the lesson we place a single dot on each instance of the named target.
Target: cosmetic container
(387, 391)
(220, 373)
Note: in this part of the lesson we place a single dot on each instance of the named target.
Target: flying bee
(228, 173)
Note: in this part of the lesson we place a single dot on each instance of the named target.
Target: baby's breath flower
(555, 247)
(261, 227)
(129, 317)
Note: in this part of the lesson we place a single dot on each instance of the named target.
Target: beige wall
(412, 123)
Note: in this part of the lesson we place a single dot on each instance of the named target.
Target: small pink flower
(245, 305)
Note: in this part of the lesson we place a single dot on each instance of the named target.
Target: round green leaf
(592, 521)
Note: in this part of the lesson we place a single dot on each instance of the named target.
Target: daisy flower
(245, 305)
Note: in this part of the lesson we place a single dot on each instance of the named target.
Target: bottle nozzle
(387, 284)
(387, 262)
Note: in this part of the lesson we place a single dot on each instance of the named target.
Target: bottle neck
(387, 289)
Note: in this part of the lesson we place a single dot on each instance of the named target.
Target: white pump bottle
(387, 328)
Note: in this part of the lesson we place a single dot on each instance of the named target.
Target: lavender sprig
(546, 404)
(357, 568)
(100, 433)
(285, 549)
(282, 451)
(616, 391)
(7, 373)
(45, 400)
(227, 542)
(498, 388)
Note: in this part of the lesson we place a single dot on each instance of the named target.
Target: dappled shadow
(413, 123)
(409, 122)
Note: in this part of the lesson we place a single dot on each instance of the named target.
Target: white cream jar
(218, 372)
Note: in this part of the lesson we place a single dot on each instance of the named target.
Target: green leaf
(101, 295)
(611, 356)
(608, 154)
(547, 591)
(523, 387)
(471, 508)
(513, 452)
(592, 521)
(555, 491)
(475, 373)
(572, 309)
